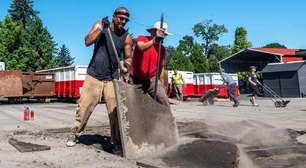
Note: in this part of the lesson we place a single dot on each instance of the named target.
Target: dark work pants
(231, 90)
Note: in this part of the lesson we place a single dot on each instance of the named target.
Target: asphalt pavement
(265, 136)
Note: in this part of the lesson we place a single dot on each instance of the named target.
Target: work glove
(160, 35)
(125, 66)
(105, 22)
(125, 69)
(158, 39)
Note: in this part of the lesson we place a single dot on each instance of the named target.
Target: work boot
(236, 104)
(72, 140)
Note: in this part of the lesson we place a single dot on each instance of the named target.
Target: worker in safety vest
(177, 82)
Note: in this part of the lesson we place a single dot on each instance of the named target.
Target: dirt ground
(210, 136)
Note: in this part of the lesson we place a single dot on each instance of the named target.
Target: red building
(286, 55)
(260, 57)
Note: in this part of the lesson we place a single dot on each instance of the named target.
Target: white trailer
(68, 80)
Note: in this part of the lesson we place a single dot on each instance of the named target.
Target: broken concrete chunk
(27, 147)
(301, 139)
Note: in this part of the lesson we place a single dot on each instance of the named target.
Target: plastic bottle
(32, 115)
(26, 114)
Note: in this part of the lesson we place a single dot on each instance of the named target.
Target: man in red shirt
(144, 62)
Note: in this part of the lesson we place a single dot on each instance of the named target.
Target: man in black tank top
(102, 70)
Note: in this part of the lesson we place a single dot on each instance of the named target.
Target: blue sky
(266, 21)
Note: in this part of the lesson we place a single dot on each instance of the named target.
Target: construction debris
(199, 153)
(27, 147)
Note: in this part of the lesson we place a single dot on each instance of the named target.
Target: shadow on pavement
(103, 142)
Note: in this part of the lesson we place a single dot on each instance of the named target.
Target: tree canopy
(198, 60)
(200, 56)
(185, 45)
(22, 10)
(25, 43)
(274, 45)
(209, 32)
(64, 58)
(180, 62)
(241, 42)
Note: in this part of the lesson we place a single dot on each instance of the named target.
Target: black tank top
(103, 64)
(253, 77)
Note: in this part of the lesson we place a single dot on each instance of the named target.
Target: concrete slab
(27, 147)
(146, 126)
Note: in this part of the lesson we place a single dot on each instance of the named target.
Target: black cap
(122, 11)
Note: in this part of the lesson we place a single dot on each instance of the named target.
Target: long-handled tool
(121, 67)
(277, 99)
(158, 58)
(114, 48)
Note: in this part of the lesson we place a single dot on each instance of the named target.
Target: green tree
(25, 44)
(12, 51)
(186, 44)
(220, 52)
(180, 62)
(213, 64)
(64, 58)
(241, 42)
(209, 32)
(22, 10)
(274, 45)
(217, 53)
(198, 60)
(41, 41)
(170, 52)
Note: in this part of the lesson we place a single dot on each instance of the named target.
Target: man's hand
(125, 66)
(158, 39)
(259, 84)
(105, 22)
(160, 35)
(126, 77)
(125, 69)
(94, 33)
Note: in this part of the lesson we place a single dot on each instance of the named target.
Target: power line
(178, 35)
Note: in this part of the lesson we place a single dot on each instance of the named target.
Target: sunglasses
(123, 19)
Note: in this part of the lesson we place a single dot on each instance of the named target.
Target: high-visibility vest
(177, 79)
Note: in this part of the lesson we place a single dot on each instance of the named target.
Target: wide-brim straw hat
(157, 27)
